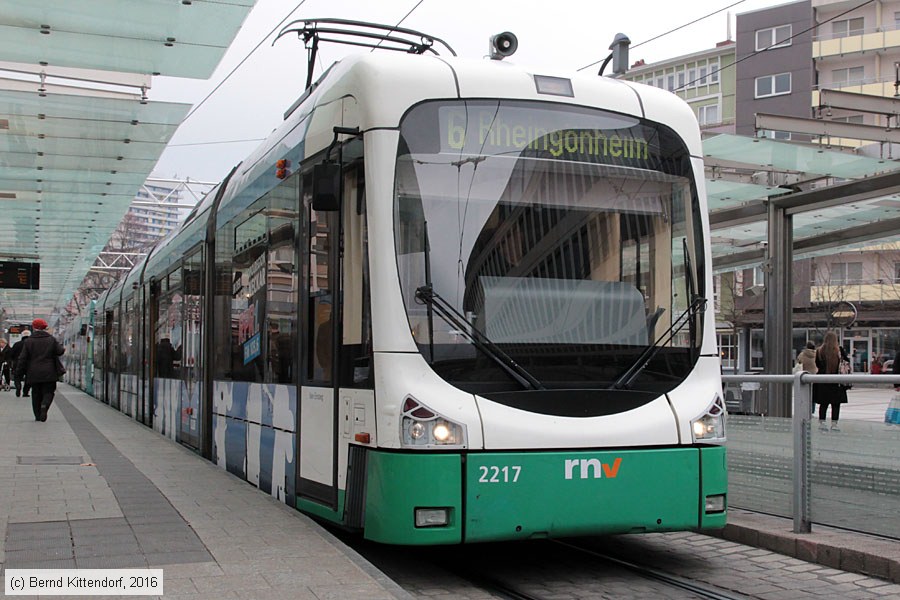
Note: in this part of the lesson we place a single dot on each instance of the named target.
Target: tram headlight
(710, 426)
(442, 432)
(421, 427)
(416, 431)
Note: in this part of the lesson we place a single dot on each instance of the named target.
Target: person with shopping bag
(831, 360)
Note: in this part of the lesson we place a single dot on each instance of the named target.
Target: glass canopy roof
(784, 156)
(72, 160)
(809, 161)
(165, 37)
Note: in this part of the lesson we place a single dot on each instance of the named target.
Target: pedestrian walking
(4, 364)
(13, 357)
(829, 357)
(40, 364)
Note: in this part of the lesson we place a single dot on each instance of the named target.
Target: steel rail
(702, 590)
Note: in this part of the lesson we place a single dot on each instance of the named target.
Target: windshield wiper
(456, 319)
(687, 317)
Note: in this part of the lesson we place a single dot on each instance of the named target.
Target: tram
(77, 338)
(446, 301)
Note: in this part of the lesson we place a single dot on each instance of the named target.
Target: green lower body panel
(397, 484)
(494, 496)
(321, 511)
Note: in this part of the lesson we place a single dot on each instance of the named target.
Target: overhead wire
(243, 60)
(398, 24)
(247, 140)
(249, 54)
(671, 31)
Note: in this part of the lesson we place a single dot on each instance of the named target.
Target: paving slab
(92, 488)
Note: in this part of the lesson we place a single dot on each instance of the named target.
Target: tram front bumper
(423, 498)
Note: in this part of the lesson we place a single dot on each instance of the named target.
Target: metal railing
(800, 430)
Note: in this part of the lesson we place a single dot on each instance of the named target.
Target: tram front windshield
(567, 238)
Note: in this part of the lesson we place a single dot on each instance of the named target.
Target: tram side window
(193, 317)
(127, 347)
(282, 284)
(263, 268)
(321, 300)
(248, 302)
(114, 334)
(168, 333)
(356, 346)
(99, 340)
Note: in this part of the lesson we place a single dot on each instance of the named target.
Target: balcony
(880, 290)
(874, 40)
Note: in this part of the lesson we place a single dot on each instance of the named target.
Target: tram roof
(851, 215)
(78, 137)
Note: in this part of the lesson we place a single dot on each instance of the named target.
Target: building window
(773, 85)
(897, 272)
(708, 114)
(775, 135)
(659, 83)
(897, 20)
(759, 276)
(847, 27)
(692, 77)
(702, 80)
(728, 350)
(757, 346)
(774, 37)
(714, 71)
(670, 82)
(848, 76)
(857, 119)
(846, 272)
(680, 79)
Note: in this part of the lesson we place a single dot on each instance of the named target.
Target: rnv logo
(588, 465)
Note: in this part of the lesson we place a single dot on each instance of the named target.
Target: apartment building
(780, 59)
(774, 71)
(705, 80)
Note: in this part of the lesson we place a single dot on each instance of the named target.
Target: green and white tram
(446, 301)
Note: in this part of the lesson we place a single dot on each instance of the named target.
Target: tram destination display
(20, 275)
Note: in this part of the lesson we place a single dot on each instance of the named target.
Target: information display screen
(20, 275)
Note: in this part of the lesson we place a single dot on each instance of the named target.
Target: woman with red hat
(39, 363)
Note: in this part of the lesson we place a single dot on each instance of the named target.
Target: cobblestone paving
(550, 571)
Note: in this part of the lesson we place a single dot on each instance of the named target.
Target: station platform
(92, 489)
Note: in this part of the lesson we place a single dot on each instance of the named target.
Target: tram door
(191, 351)
(106, 332)
(318, 394)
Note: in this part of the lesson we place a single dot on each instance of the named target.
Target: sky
(555, 36)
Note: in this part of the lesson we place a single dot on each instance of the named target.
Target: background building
(702, 79)
(774, 69)
(781, 59)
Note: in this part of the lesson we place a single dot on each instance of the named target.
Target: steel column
(779, 307)
(800, 426)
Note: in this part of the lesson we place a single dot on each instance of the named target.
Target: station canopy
(738, 167)
(79, 133)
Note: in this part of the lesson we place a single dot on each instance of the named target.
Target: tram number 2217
(494, 474)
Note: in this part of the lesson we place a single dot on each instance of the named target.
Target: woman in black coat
(828, 360)
(39, 363)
